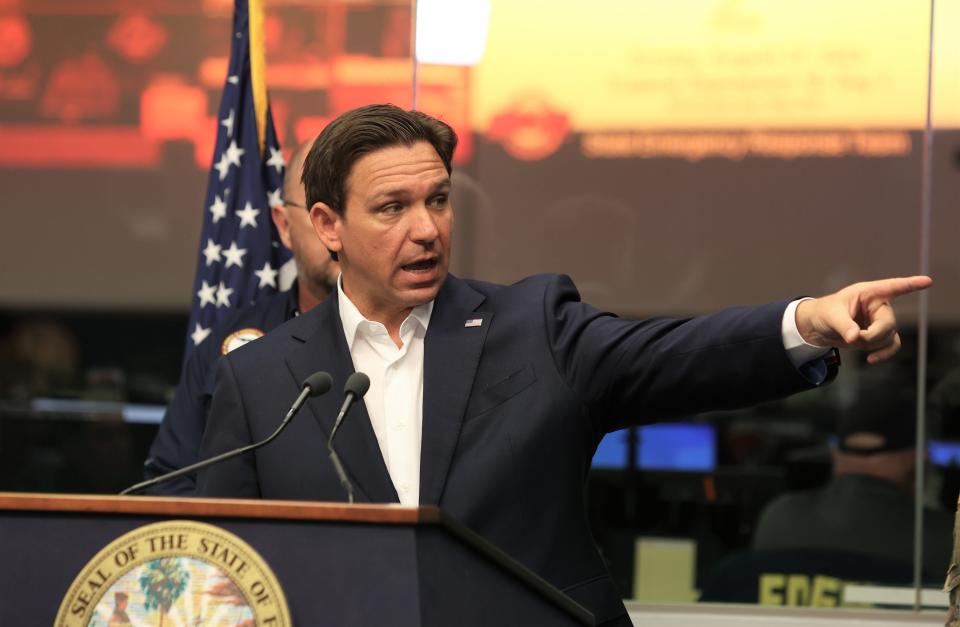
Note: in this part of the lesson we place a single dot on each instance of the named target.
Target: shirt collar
(351, 318)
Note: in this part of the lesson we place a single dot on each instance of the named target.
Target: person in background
(868, 505)
(178, 441)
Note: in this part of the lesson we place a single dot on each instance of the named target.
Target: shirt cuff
(799, 352)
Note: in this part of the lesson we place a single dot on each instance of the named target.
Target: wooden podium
(337, 564)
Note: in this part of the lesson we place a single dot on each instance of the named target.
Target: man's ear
(279, 215)
(325, 223)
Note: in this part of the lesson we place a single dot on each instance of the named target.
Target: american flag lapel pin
(472, 322)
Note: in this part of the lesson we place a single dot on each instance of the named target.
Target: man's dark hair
(359, 132)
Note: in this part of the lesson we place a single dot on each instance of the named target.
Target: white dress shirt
(798, 350)
(395, 399)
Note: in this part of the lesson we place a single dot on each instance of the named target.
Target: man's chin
(420, 293)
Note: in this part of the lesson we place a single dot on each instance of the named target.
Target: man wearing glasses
(178, 441)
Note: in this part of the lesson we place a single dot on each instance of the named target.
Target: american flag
(240, 252)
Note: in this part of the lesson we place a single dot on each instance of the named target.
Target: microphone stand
(316, 384)
(354, 389)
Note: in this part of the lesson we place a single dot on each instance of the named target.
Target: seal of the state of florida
(176, 572)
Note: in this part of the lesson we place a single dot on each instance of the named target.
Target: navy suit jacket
(177, 443)
(513, 409)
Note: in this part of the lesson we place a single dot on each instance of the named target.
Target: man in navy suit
(485, 399)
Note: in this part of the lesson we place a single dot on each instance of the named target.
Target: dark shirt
(860, 514)
(178, 441)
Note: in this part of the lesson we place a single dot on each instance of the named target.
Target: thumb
(840, 323)
(852, 334)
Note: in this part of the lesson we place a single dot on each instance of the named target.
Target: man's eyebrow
(400, 192)
(440, 186)
(388, 194)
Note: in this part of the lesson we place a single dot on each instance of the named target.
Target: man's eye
(391, 208)
(439, 200)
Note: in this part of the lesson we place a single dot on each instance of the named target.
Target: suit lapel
(322, 346)
(452, 350)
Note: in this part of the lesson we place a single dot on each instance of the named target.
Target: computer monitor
(944, 453)
(676, 447)
(612, 452)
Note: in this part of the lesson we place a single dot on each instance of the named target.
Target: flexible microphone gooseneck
(356, 386)
(315, 385)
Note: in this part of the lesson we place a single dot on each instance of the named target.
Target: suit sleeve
(227, 429)
(177, 443)
(628, 372)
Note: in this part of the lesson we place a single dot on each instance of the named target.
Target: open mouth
(421, 266)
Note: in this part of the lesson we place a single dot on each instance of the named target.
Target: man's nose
(424, 229)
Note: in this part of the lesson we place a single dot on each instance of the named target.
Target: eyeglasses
(290, 203)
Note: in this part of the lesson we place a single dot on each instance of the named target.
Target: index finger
(891, 288)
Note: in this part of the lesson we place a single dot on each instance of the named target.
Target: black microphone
(315, 385)
(353, 390)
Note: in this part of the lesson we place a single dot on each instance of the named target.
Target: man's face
(315, 269)
(394, 237)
